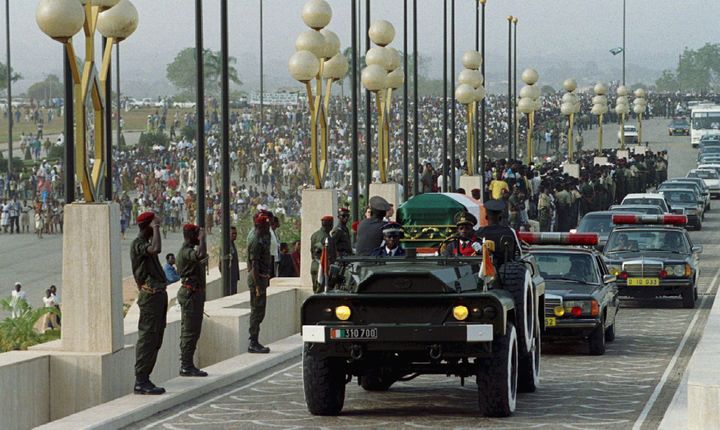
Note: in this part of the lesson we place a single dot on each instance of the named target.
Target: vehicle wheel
(516, 279)
(698, 226)
(497, 376)
(596, 341)
(324, 383)
(529, 366)
(610, 333)
(376, 380)
(688, 298)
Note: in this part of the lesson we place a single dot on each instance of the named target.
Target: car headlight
(460, 312)
(582, 307)
(343, 313)
(691, 211)
(675, 270)
(614, 270)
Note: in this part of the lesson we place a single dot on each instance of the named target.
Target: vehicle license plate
(550, 322)
(643, 282)
(354, 333)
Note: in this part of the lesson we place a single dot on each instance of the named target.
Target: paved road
(629, 387)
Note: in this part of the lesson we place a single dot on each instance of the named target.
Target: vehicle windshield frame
(593, 276)
(612, 247)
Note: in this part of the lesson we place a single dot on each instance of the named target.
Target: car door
(611, 292)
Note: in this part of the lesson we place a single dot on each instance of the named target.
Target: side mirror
(697, 249)
(600, 246)
(607, 279)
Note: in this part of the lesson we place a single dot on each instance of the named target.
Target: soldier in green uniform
(341, 233)
(544, 209)
(317, 242)
(260, 268)
(152, 300)
(191, 264)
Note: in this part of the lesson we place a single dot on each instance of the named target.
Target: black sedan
(679, 127)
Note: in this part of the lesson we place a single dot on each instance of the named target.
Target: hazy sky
(551, 33)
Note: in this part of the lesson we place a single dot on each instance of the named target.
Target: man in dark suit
(369, 232)
(391, 248)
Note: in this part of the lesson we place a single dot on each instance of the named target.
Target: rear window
(596, 224)
(703, 174)
(643, 201)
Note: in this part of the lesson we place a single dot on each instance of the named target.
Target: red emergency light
(555, 238)
(618, 219)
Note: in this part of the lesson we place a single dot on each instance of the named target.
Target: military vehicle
(385, 320)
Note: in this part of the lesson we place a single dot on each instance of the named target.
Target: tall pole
(416, 130)
(9, 87)
(225, 150)
(623, 53)
(482, 103)
(200, 111)
(452, 98)
(69, 131)
(406, 179)
(353, 43)
(108, 131)
(368, 114)
(262, 76)
(510, 95)
(117, 95)
(477, 48)
(445, 112)
(514, 86)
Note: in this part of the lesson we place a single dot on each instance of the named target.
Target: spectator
(170, 272)
(17, 296)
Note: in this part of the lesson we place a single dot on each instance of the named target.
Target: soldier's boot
(147, 387)
(192, 371)
(256, 347)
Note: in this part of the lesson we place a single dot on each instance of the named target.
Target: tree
(667, 82)
(50, 88)
(182, 71)
(3, 76)
(697, 70)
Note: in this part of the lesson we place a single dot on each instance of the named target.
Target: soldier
(260, 268)
(392, 232)
(369, 232)
(503, 236)
(544, 209)
(152, 300)
(317, 243)
(464, 243)
(191, 265)
(341, 234)
(563, 208)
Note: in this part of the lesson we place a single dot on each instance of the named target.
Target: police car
(653, 256)
(581, 296)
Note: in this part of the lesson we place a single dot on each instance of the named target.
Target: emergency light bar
(555, 238)
(618, 219)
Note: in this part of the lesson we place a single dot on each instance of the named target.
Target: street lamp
(600, 108)
(510, 92)
(381, 76)
(639, 106)
(116, 21)
(514, 90)
(569, 107)
(529, 102)
(469, 93)
(622, 108)
(317, 57)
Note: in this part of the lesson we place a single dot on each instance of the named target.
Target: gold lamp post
(469, 92)
(381, 76)
(639, 106)
(569, 107)
(622, 108)
(529, 102)
(317, 57)
(600, 108)
(61, 20)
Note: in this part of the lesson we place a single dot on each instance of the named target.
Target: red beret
(262, 219)
(145, 217)
(327, 218)
(190, 227)
(343, 211)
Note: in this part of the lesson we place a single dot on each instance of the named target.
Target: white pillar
(315, 205)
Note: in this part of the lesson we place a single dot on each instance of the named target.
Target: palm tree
(213, 68)
(19, 333)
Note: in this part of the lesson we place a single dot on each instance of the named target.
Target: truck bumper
(666, 288)
(371, 334)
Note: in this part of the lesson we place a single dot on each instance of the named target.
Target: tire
(688, 298)
(323, 383)
(596, 341)
(497, 376)
(610, 333)
(529, 366)
(376, 380)
(698, 226)
(516, 279)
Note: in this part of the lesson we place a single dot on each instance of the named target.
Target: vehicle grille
(550, 304)
(643, 270)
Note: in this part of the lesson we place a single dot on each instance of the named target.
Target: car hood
(569, 289)
(712, 183)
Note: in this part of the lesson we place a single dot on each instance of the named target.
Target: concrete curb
(132, 408)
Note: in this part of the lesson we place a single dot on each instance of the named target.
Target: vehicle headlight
(691, 211)
(676, 270)
(343, 313)
(460, 312)
(582, 307)
(614, 270)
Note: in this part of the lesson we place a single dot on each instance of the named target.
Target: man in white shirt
(17, 296)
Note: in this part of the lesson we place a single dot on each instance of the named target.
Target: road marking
(185, 411)
(656, 393)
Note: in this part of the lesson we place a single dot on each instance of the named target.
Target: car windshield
(706, 120)
(630, 128)
(680, 123)
(651, 210)
(704, 174)
(647, 240)
(567, 266)
(711, 150)
(679, 185)
(680, 196)
(596, 224)
(643, 201)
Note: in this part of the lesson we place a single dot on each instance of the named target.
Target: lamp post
(225, 148)
(9, 86)
(405, 158)
(622, 108)
(514, 90)
(416, 111)
(115, 20)
(482, 103)
(569, 107)
(529, 102)
(354, 101)
(639, 106)
(200, 113)
(469, 93)
(600, 107)
(453, 107)
(510, 92)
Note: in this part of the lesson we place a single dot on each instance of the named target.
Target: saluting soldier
(260, 268)
(465, 242)
(341, 233)
(191, 265)
(369, 232)
(392, 232)
(317, 243)
(152, 300)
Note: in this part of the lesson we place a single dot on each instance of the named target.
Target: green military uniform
(191, 297)
(341, 237)
(152, 301)
(544, 211)
(317, 242)
(258, 253)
